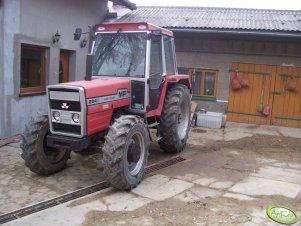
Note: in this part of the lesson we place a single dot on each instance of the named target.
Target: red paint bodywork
(103, 86)
(169, 79)
(113, 27)
(99, 115)
(99, 119)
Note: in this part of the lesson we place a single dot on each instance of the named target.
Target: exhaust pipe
(89, 61)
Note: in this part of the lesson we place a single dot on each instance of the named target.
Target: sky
(257, 4)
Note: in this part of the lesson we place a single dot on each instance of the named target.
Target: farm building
(263, 46)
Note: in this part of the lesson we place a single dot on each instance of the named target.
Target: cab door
(162, 63)
(155, 71)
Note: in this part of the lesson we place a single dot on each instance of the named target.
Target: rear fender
(169, 81)
(179, 79)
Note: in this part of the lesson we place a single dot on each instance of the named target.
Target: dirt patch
(256, 142)
(211, 211)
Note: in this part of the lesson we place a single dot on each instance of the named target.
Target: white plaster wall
(35, 22)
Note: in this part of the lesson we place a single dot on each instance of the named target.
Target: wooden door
(267, 85)
(287, 103)
(243, 103)
(64, 66)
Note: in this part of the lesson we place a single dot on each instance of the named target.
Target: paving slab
(204, 193)
(290, 132)
(160, 187)
(197, 194)
(294, 165)
(124, 201)
(188, 177)
(187, 196)
(221, 184)
(205, 181)
(238, 196)
(260, 186)
(236, 135)
(279, 174)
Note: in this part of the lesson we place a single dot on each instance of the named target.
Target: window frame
(34, 89)
(203, 71)
(171, 40)
(161, 50)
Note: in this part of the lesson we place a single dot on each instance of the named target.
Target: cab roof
(136, 26)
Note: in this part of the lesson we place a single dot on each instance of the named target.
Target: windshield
(119, 54)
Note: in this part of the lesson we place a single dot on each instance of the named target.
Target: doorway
(64, 66)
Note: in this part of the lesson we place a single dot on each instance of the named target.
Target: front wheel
(39, 158)
(126, 151)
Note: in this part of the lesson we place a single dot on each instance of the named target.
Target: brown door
(64, 66)
(268, 85)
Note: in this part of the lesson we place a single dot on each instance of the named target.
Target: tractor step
(153, 135)
(156, 139)
(153, 125)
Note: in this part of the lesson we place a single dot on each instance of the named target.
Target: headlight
(56, 115)
(75, 117)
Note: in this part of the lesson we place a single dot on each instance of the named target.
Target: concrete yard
(230, 177)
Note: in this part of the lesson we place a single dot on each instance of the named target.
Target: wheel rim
(53, 155)
(183, 119)
(134, 164)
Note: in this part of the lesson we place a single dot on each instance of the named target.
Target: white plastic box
(209, 119)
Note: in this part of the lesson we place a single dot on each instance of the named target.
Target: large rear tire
(39, 158)
(125, 152)
(175, 119)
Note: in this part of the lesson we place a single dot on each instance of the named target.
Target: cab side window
(169, 56)
(156, 66)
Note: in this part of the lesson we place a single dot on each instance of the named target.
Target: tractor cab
(140, 52)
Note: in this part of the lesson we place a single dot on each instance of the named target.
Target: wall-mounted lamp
(83, 43)
(56, 37)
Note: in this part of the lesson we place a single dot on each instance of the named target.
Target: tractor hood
(102, 86)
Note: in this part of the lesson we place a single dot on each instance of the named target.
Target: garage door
(275, 86)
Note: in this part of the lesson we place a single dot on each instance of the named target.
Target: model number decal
(121, 94)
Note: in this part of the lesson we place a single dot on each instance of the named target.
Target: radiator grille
(72, 105)
(66, 101)
(66, 128)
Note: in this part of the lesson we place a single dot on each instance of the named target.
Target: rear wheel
(175, 118)
(126, 151)
(38, 157)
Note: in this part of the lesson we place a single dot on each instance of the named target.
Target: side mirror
(77, 34)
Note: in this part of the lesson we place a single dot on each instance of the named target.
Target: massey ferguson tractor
(131, 88)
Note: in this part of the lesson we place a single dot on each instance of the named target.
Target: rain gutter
(240, 32)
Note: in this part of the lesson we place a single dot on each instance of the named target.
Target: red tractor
(131, 86)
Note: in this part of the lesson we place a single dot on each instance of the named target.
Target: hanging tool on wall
(235, 83)
(260, 105)
(292, 84)
(283, 84)
(267, 109)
